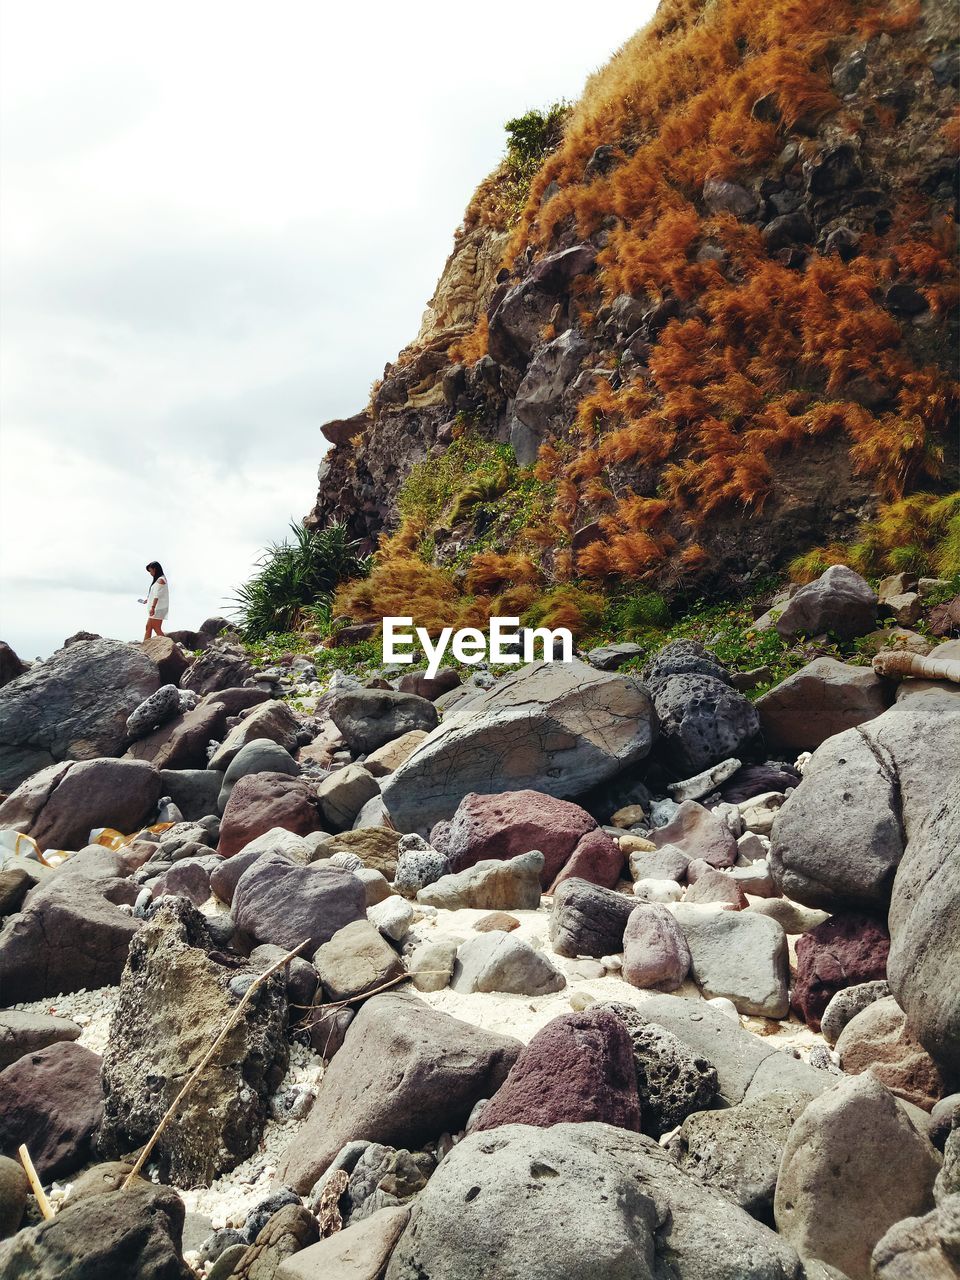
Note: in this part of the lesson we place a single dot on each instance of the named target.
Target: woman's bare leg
(154, 628)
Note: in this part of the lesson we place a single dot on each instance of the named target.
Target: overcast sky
(219, 221)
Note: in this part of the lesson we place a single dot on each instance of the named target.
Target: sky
(219, 221)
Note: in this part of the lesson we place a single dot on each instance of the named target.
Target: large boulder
(357, 1252)
(702, 721)
(747, 1066)
(502, 826)
(814, 704)
(133, 1233)
(558, 728)
(174, 998)
(839, 601)
(51, 1101)
(587, 920)
(838, 839)
(738, 1150)
(257, 755)
(224, 665)
(279, 902)
(370, 718)
(260, 801)
(853, 1165)
(404, 1074)
(74, 706)
(61, 804)
(924, 963)
(578, 1068)
(844, 951)
(71, 932)
(10, 664)
(739, 955)
(171, 658)
(577, 1202)
(540, 396)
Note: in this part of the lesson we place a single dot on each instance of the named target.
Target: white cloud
(219, 222)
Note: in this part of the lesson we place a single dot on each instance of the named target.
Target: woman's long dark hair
(156, 568)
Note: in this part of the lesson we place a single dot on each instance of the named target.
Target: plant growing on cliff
(296, 579)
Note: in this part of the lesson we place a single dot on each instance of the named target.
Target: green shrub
(295, 580)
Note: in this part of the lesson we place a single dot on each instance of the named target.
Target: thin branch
(34, 1181)
(328, 1009)
(195, 1074)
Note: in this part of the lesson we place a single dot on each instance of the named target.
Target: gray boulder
(540, 396)
(926, 1248)
(417, 868)
(822, 700)
(137, 1232)
(924, 963)
(61, 804)
(587, 920)
(846, 1003)
(405, 1074)
(838, 839)
(853, 1166)
(672, 1080)
(839, 601)
(173, 998)
(355, 960)
(557, 728)
(746, 1065)
(50, 1101)
(739, 955)
(22, 1033)
(510, 885)
(738, 1151)
(369, 718)
(224, 665)
(193, 791)
(257, 755)
(510, 1195)
(697, 833)
(71, 932)
(14, 1190)
(501, 962)
(279, 902)
(344, 794)
(74, 706)
(702, 721)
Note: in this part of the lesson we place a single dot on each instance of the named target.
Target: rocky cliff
(718, 331)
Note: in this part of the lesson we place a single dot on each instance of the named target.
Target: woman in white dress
(157, 601)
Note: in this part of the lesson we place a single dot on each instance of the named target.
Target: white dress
(160, 593)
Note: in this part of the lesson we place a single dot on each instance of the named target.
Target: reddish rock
(514, 822)
(699, 834)
(578, 1068)
(51, 1101)
(172, 661)
(598, 859)
(261, 801)
(842, 952)
(823, 699)
(430, 687)
(878, 1040)
(182, 744)
(497, 922)
(656, 956)
(944, 619)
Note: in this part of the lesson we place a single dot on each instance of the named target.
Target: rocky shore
(577, 971)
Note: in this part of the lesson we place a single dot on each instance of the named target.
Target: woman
(157, 601)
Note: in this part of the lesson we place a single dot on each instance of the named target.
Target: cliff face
(720, 332)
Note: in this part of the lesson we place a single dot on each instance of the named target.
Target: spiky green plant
(296, 579)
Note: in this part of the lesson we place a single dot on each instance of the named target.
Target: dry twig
(34, 1181)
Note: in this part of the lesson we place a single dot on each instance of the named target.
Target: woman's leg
(153, 628)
